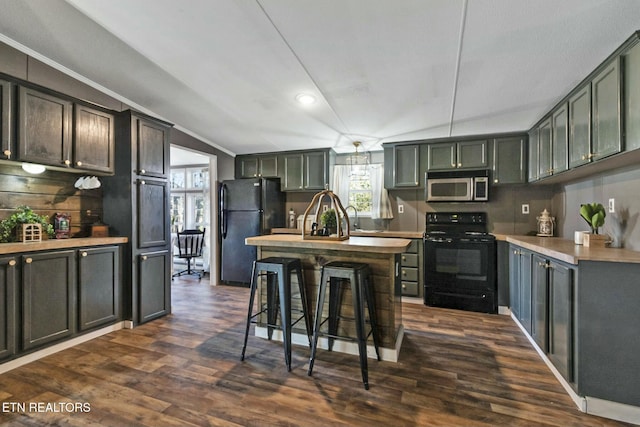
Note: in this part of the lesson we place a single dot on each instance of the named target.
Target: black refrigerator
(247, 207)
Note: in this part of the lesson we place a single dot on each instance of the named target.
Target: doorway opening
(192, 204)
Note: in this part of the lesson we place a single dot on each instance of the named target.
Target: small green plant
(22, 215)
(594, 214)
(328, 219)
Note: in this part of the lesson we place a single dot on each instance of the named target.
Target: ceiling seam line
(463, 20)
(295, 55)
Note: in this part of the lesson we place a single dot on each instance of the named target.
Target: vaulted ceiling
(229, 71)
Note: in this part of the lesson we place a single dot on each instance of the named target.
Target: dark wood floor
(455, 369)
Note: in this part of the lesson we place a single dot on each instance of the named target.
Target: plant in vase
(329, 220)
(593, 214)
(23, 215)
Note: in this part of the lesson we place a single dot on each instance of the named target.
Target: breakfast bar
(383, 257)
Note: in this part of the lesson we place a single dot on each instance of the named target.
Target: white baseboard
(613, 410)
(31, 357)
(348, 347)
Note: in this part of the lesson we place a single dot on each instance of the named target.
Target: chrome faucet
(355, 223)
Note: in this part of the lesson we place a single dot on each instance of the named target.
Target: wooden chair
(190, 243)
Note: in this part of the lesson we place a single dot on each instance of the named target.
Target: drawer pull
(404, 258)
(142, 171)
(28, 260)
(144, 257)
(404, 286)
(142, 183)
(79, 163)
(84, 254)
(12, 262)
(7, 153)
(67, 162)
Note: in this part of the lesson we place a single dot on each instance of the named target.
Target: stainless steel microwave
(457, 186)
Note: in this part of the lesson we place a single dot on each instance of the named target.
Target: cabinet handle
(404, 258)
(142, 183)
(495, 181)
(144, 257)
(12, 262)
(7, 153)
(67, 162)
(459, 165)
(84, 254)
(28, 260)
(404, 273)
(142, 171)
(453, 165)
(78, 163)
(404, 286)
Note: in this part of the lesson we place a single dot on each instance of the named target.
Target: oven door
(461, 273)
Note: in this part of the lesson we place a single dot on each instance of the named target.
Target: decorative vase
(545, 224)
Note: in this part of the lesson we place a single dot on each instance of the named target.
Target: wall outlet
(525, 209)
(400, 209)
(612, 205)
(325, 208)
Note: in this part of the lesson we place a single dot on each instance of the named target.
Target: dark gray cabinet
(411, 274)
(44, 128)
(48, 297)
(520, 285)
(403, 167)
(606, 117)
(561, 318)
(98, 286)
(545, 149)
(560, 139)
(632, 98)
(136, 205)
(509, 160)
(539, 302)
(305, 171)
(154, 292)
(252, 166)
(533, 159)
(457, 155)
(152, 214)
(93, 139)
(6, 120)
(8, 282)
(580, 127)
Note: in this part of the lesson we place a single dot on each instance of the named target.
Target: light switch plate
(525, 209)
(400, 209)
(612, 205)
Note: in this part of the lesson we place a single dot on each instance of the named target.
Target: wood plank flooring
(455, 369)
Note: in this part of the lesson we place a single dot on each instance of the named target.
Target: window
(360, 195)
(189, 197)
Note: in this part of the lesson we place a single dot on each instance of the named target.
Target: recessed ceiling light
(305, 98)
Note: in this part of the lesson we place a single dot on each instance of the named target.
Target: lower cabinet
(48, 297)
(8, 279)
(98, 286)
(542, 300)
(154, 293)
(411, 269)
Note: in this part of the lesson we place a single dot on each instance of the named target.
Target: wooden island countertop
(383, 256)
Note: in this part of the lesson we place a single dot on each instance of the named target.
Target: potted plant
(11, 226)
(329, 220)
(594, 214)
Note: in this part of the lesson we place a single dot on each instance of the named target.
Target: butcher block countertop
(567, 251)
(50, 244)
(353, 244)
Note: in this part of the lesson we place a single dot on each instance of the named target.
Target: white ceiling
(228, 71)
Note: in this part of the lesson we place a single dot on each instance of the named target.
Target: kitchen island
(383, 257)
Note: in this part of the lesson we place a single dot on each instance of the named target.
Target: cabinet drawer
(409, 260)
(409, 273)
(410, 289)
(413, 246)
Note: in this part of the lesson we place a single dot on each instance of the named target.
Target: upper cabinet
(55, 132)
(152, 142)
(457, 155)
(559, 137)
(253, 166)
(509, 160)
(93, 139)
(545, 161)
(44, 128)
(305, 171)
(6, 120)
(403, 166)
(580, 127)
(632, 98)
(533, 155)
(606, 109)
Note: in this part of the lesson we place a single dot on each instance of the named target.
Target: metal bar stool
(278, 271)
(359, 278)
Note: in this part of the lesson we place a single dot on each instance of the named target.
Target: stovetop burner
(456, 224)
